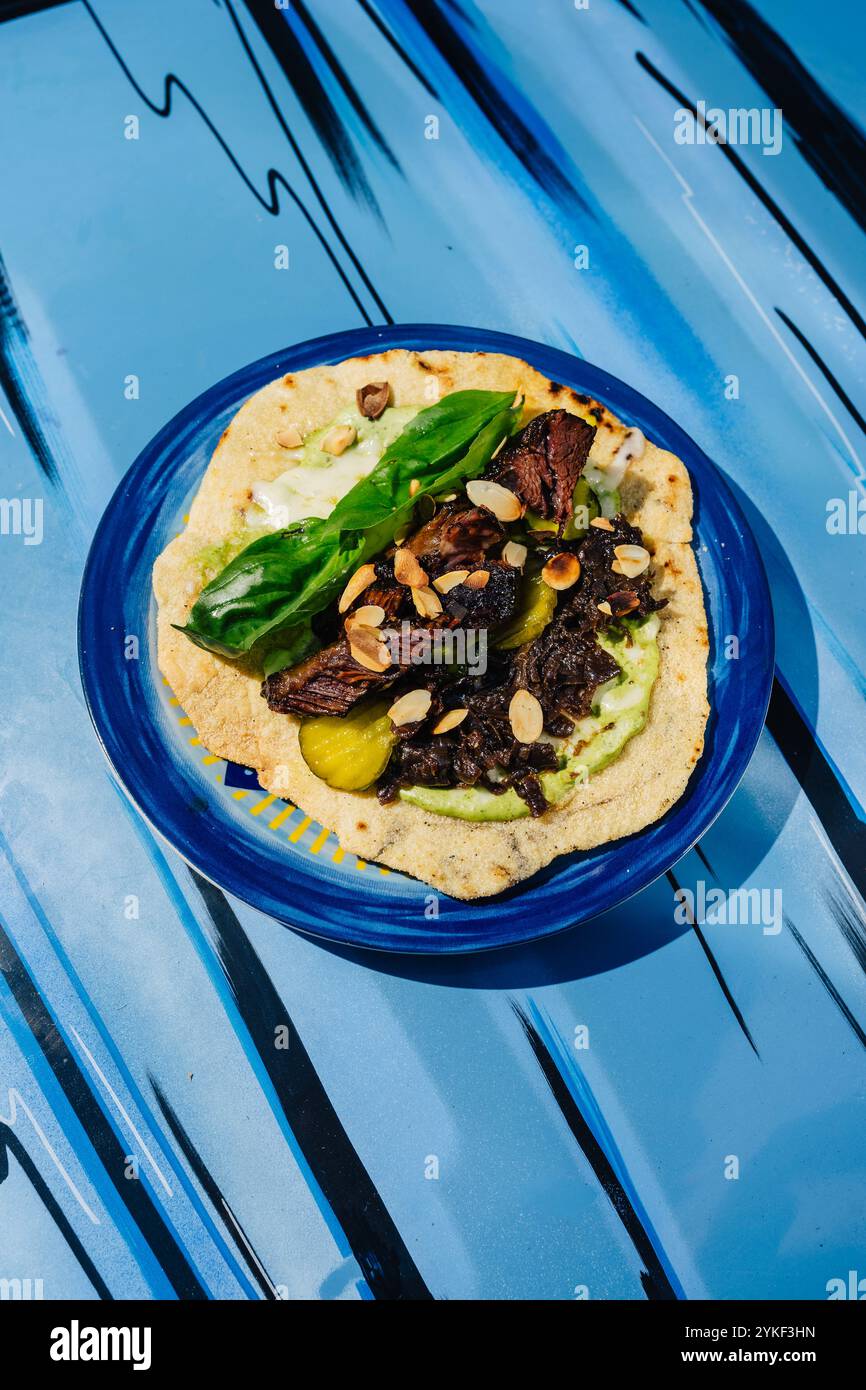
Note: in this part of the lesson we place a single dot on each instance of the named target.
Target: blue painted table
(639, 1108)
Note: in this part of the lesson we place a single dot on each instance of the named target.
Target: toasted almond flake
(427, 602)
(368, 649)
(414, 487)
(514, 554)
(290, 438)
(371, 615)
(407, 570)
(631, 560)
(450, 721)
(604, 607)
(561, 571)
(526, 716)
(478, 579)
(501, 501)
(602, 523)
(446, 582)
(338, 440)
(411, 707)
(361, 580)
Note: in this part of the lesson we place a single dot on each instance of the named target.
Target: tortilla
(472, 859)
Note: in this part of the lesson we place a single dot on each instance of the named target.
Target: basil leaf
(295, 644)
(282, 578)
(285, 578)
(432, 442)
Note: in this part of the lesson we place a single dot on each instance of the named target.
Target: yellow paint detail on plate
(319, 841)
(361, 864)
(262, 805)
(185, 720)
(338, 856)
(284, 815)
(239, 796)
(209, 759)
(299, 830)
(195, 741)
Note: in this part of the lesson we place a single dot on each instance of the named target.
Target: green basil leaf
(282, 578)
(435, 440)
(294, 645)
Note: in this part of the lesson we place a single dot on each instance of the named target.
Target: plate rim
(334, 347)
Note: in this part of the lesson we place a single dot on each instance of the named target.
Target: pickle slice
(586, 509)
(348, 752)
(537, 602)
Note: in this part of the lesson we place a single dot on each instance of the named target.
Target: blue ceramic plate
(269, 853)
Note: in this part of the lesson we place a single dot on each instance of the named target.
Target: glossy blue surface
(435, 1125)
(161, 763)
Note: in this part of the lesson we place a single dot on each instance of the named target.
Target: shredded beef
(330, 682)
(543, 462)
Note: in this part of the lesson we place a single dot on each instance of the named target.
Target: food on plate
(447, 606)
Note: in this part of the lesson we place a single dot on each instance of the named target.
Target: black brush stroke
(210, 1185)
(10, 1143)
(705, 861)
(796, 743)
(13, 331)
(633, 10)
(653, 1278)
(271, 204)
(851, 924)
(398, 48)
(827, 983)
(828, 139)
(314, 99)
(341, 77)
(716, 969)
(299, 155)
(132, 1192)
(346, 1185)
(828, 376)
(484, 92)
(729, 153)
(16, 9)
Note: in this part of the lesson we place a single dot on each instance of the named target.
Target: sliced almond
(514, 554)
(427, 602)
(526, 716)
(411, 707)
(478, 579)
(361, 580)
(561, 571)
(604, 607)
(367, 648)
(338, 440)
(290, 438)
(631, 560)
(450, 721)
(501, 501)
(446, 582)
(414, 486)
(371, 615)
(407, 570)
(602, 523)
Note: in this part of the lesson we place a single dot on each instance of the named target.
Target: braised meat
(330, 682)
(543, 462)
